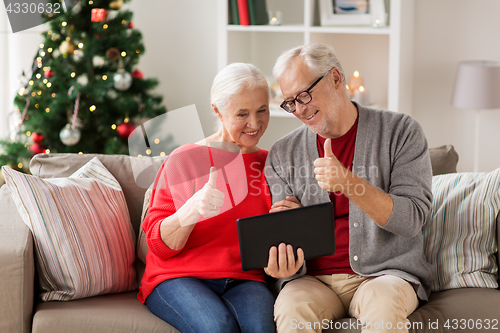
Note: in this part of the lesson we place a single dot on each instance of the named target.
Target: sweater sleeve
(165, 201)
(410, 182)
(275, 177)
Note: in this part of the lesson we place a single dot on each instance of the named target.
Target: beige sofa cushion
(481, 307)
(447, 312)
(444, 159)
(134, 174)
(117, 313)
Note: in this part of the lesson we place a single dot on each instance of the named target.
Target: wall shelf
(351, 30)
(266, 28)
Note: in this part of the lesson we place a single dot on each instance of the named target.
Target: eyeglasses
(303, 98)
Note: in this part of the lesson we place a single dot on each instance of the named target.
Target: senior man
(375, 168)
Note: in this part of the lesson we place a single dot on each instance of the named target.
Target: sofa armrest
(17, 273)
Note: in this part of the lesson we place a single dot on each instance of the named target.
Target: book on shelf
(234, 18)
(258, 12)
(243, 12)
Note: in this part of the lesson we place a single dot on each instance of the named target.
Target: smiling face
(323, 113)
(245, 119)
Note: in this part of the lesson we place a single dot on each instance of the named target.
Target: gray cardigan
(391, 153)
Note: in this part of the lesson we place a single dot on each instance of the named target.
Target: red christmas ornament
(131, 25)
(125, 129)
(99, 15)
(37, 138)
(48, 73)
(137, 74)
(97, 36)
(37, 148)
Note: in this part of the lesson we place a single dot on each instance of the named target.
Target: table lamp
(477, 87)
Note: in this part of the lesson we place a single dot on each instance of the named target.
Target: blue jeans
(219, 305)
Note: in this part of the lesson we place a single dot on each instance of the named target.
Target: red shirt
(212, 249)
(338, 263)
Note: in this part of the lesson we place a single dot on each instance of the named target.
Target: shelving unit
(383, 56)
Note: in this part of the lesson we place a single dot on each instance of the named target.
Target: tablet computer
(312, 228)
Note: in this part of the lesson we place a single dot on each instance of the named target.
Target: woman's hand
(207, 201)
(289, 203)
(176, 228)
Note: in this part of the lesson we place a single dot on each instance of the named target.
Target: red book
(243, 12)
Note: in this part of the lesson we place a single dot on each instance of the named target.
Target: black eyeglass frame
(284, 104)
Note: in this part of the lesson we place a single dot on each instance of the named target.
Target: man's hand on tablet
(286, 265)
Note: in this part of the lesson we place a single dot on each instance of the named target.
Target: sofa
(21, 311)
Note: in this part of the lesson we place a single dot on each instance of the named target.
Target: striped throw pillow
(460, 235)
(81, 228)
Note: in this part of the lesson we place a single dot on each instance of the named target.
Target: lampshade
(477, 85)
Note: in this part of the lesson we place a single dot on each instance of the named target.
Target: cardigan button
(356, 224)
(355, 258)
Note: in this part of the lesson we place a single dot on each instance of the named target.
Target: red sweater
(338, 263)
(212, 249)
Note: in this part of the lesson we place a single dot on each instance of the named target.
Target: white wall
(447, 32)
(180, 38)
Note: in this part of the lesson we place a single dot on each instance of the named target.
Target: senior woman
(193, 278)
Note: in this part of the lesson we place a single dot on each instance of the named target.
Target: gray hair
(320, 58)
(233, 79)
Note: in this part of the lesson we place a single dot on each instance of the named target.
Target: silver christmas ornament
(69, 136)
(122, 80)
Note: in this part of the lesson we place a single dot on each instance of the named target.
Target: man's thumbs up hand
(330, 173)
(328, 148)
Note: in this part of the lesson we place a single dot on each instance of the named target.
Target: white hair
(320, 59)
(232, 80)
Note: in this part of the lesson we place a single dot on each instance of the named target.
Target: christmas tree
(85, 93)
